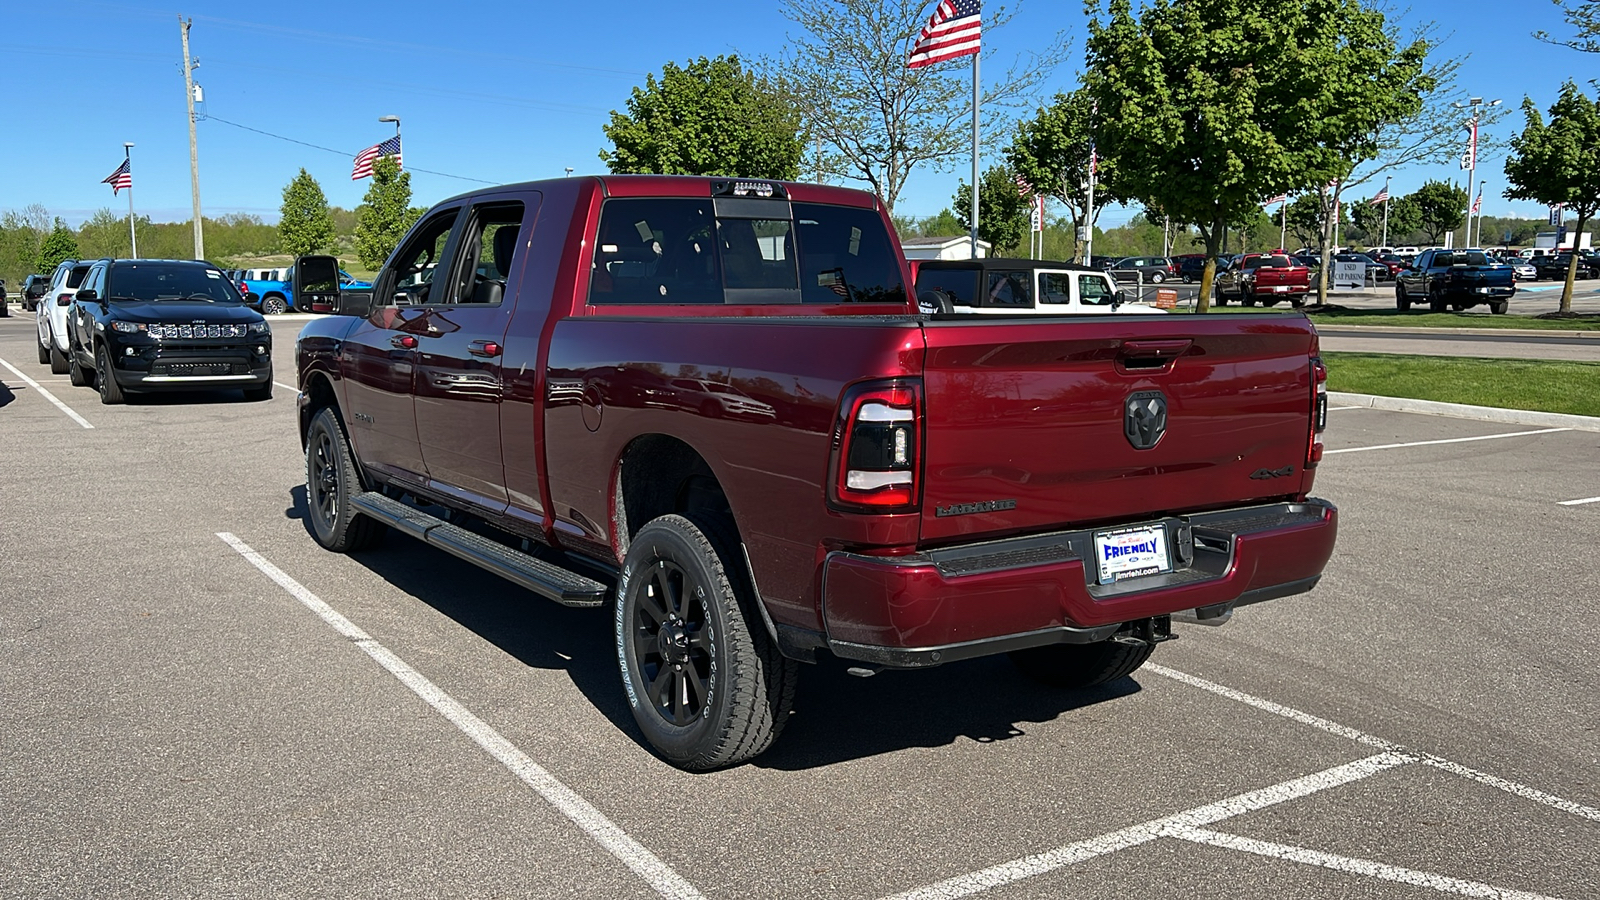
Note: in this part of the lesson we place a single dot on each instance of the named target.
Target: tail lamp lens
(877, 445)
(1319, 411)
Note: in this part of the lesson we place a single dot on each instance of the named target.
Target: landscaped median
(1569, 388)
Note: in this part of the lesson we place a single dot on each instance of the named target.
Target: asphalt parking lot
(199, 701)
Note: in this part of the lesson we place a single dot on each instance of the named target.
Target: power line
(346, 154)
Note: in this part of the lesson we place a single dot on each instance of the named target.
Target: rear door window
(1055, 288)
(960, 284)
(1009, 289)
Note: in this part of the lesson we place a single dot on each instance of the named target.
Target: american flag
(952, 31)
(1024, 189)
(1382, 197)
(364, 159)
(1281, 198)
(121, 178)
(1478, 203)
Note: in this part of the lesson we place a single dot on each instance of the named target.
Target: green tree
(1208, 106)
(1584, 17)
(710, 118)
(1559, 162)
(306, 225)
(1002, 210)
(58, 245)
(385, 214)
(1441, 208)
(1052, 151)
(846, 71)
(21, 233)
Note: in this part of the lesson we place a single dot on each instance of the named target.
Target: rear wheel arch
(660, 475)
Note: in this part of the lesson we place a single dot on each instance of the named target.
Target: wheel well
(320, 393)
(270, 294)
(660, 475)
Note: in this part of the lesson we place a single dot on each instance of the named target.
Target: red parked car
(711, 408)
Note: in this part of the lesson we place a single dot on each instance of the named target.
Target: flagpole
(975, 155)
(1385, 241)
(133, 236)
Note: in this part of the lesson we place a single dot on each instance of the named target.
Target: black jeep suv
(161, 324)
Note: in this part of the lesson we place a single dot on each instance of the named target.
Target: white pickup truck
(999, 286)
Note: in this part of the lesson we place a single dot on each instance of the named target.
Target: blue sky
(495, 91)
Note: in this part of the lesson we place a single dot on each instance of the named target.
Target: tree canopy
(305, 225)
(1441, 208)
(1209, 106)
(1052, 151)
(385, 213)
(60, 244)
(1559, 162)
(709, 118)
(1002, 210)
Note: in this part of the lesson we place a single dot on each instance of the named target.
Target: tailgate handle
(1151, 354)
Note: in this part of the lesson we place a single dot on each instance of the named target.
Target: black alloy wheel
(673, 642)
(704, 681)
(104, 379)
(331, 480)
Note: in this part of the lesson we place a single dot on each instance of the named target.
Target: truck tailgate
(1028, 423)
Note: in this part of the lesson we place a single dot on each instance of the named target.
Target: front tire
(1402, 300)
(105, 379)
(331, 480)
(704, 681)
(1080, 665)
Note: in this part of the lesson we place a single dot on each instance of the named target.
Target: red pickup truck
(1264, 277)
(713, 405)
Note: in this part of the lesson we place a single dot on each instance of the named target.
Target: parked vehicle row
(1265, 278)
(129, 326)
(1000, 286)
(1455, 279)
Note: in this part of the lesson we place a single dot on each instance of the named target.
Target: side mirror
(87, 296)
(314, 280)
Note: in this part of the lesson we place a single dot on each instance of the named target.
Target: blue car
(270, 291)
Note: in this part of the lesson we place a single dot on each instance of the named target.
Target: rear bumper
(982, 599)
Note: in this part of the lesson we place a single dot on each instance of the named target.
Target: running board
(561, 585)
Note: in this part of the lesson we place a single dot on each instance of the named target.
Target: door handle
(1154, 349)
(404, 342)
(487, 349)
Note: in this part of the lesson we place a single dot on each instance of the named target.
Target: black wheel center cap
(673, 642)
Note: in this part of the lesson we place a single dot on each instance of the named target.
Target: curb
(1483, 332)
(1464, 411)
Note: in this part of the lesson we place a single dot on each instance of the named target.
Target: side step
(561, 585)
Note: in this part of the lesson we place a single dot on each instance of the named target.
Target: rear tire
(704, 681)
(79, 375)
(1436, 302)
(58, 361)
(1499, 307)
(274, 305)
(44, 355)
(331, 480)
(1402, 300)
(1080, 665)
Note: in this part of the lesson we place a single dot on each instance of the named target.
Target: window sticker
(855, 241)
(645, 234)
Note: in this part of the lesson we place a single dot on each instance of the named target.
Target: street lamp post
(1471, 160)
(133, 236)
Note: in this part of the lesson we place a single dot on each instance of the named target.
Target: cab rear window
(693, 251)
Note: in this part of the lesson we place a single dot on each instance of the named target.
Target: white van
(1000, 287)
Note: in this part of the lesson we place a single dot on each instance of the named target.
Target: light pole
(1470, 160)
(569, 171)
(133, 237)
(194, 154)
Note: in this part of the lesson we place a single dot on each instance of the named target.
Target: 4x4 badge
(1145, 419)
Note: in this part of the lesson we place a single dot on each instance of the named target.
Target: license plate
(1131, 552)
(1279, 288)
(1482, 290)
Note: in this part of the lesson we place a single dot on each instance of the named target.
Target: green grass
(1394, 318)
(1545, 386)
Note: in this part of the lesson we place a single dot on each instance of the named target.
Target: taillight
(1319, 411)
(877, 444)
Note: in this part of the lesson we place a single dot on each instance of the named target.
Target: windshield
(164, 281)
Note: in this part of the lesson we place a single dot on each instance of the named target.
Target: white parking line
(1481, 437)
(655, 872)
(1277, 709)
(286, 387)
(1339, 408)
(47, 395)
(1133, 836)
(1441, 883)
(1579, 502)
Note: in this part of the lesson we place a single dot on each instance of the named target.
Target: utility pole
(194, 151)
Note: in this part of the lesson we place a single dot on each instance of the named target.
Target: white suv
(51, 314)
